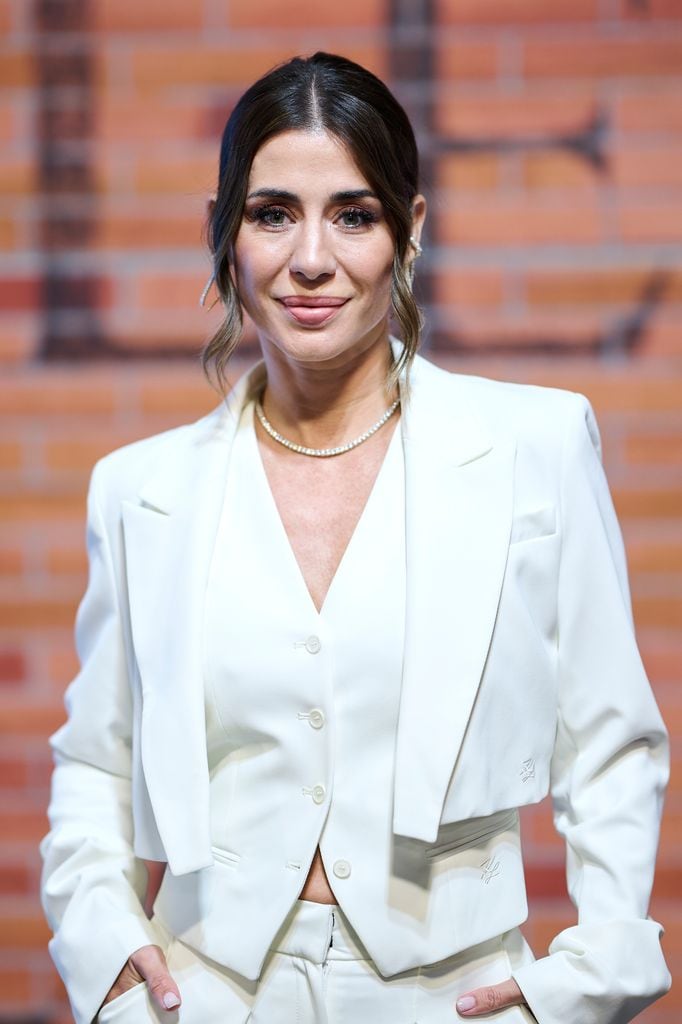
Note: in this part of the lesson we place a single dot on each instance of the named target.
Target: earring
(416, 246)
(207, 289)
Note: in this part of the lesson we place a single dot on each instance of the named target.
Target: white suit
(520, 675)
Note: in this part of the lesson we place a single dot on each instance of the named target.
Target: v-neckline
(276, 515)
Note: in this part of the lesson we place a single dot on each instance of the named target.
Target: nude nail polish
(466, 1003)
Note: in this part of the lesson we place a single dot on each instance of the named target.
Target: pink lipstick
(312, 310)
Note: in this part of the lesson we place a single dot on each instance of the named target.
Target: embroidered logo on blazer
(491, 868)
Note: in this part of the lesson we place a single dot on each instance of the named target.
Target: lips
(312, 310)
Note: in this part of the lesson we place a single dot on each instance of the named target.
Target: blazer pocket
(474, 832)
(226, 857)
(533, 524)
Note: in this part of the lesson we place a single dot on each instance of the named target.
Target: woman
(337, 632)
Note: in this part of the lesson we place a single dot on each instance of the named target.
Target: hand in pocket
(147, 964)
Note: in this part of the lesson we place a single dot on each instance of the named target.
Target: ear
(418, 215)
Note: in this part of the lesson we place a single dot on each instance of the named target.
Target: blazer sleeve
(92, 884)
(609, 768)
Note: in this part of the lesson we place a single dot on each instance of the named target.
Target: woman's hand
(490, 998)
(147, 964)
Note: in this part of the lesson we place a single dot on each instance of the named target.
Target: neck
(320, 405)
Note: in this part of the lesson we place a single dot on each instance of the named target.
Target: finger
(151, 963)
(490, 998)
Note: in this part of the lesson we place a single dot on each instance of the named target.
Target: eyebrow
(349, 196)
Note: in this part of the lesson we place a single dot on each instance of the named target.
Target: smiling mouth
(312, 310)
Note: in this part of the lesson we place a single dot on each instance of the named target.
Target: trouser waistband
(318, 932)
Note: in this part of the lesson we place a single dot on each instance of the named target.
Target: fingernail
(466, 1003)
(170, 1000)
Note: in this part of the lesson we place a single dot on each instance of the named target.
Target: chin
(323, 344)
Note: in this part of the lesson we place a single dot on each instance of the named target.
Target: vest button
(316, 718)
(341, 868)
(319, 793)
(313, 645)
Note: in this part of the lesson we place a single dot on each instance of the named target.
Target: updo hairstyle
(336, 95)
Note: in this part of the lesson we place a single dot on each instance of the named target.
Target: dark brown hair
(335, 94)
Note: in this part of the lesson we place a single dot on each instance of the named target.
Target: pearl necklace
(323, 453)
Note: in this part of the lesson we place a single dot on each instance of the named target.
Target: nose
(312, 255)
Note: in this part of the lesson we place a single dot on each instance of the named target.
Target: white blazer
(521, 676)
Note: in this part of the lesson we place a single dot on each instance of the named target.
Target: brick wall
(552, 143)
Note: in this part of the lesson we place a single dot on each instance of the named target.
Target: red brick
(62, 667)
(24, 932)
(496, 12)
(19, 292)
(11, 562)
(169, 291)
(655, 556)
(80, 455)
(652, 9)
(459, 173)
(466, 60)
(25, 825)
(16, 985)
(651, 108)
(468, 287)
(653, 448)
(193, 398)
(64, 561)
(19, 338)
(662, 661)
(651, 221)
(132, 16)
(595, 286)
(8, 233)
(662, 339)
(146, 120)
(519, 221)
(36, 611)
(17, 70)
(11, 455)
(47, 394)
(18, 177)
(117, 230)
(7, 121)
(272, 14)
(663, 612)
(12, 666)
(606, 56)
(20, 719)
(6, 20)
(657, 503)
(26, 505)
(190, 175)
(513, 114)
(172, 67)
(13, 775)
(558, 170)
(648, 166)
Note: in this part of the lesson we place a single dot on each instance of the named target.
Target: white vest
(301, 717)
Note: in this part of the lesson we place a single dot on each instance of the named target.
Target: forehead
(309, 159)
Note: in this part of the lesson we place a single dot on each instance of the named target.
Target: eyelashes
(276, 217)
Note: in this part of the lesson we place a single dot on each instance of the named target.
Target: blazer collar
(458, 495)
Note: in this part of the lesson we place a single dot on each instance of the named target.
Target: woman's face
(314, 253)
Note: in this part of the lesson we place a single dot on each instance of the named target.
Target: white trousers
(318, 972)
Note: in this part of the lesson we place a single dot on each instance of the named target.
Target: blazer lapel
(169, 540)
(458, 486)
